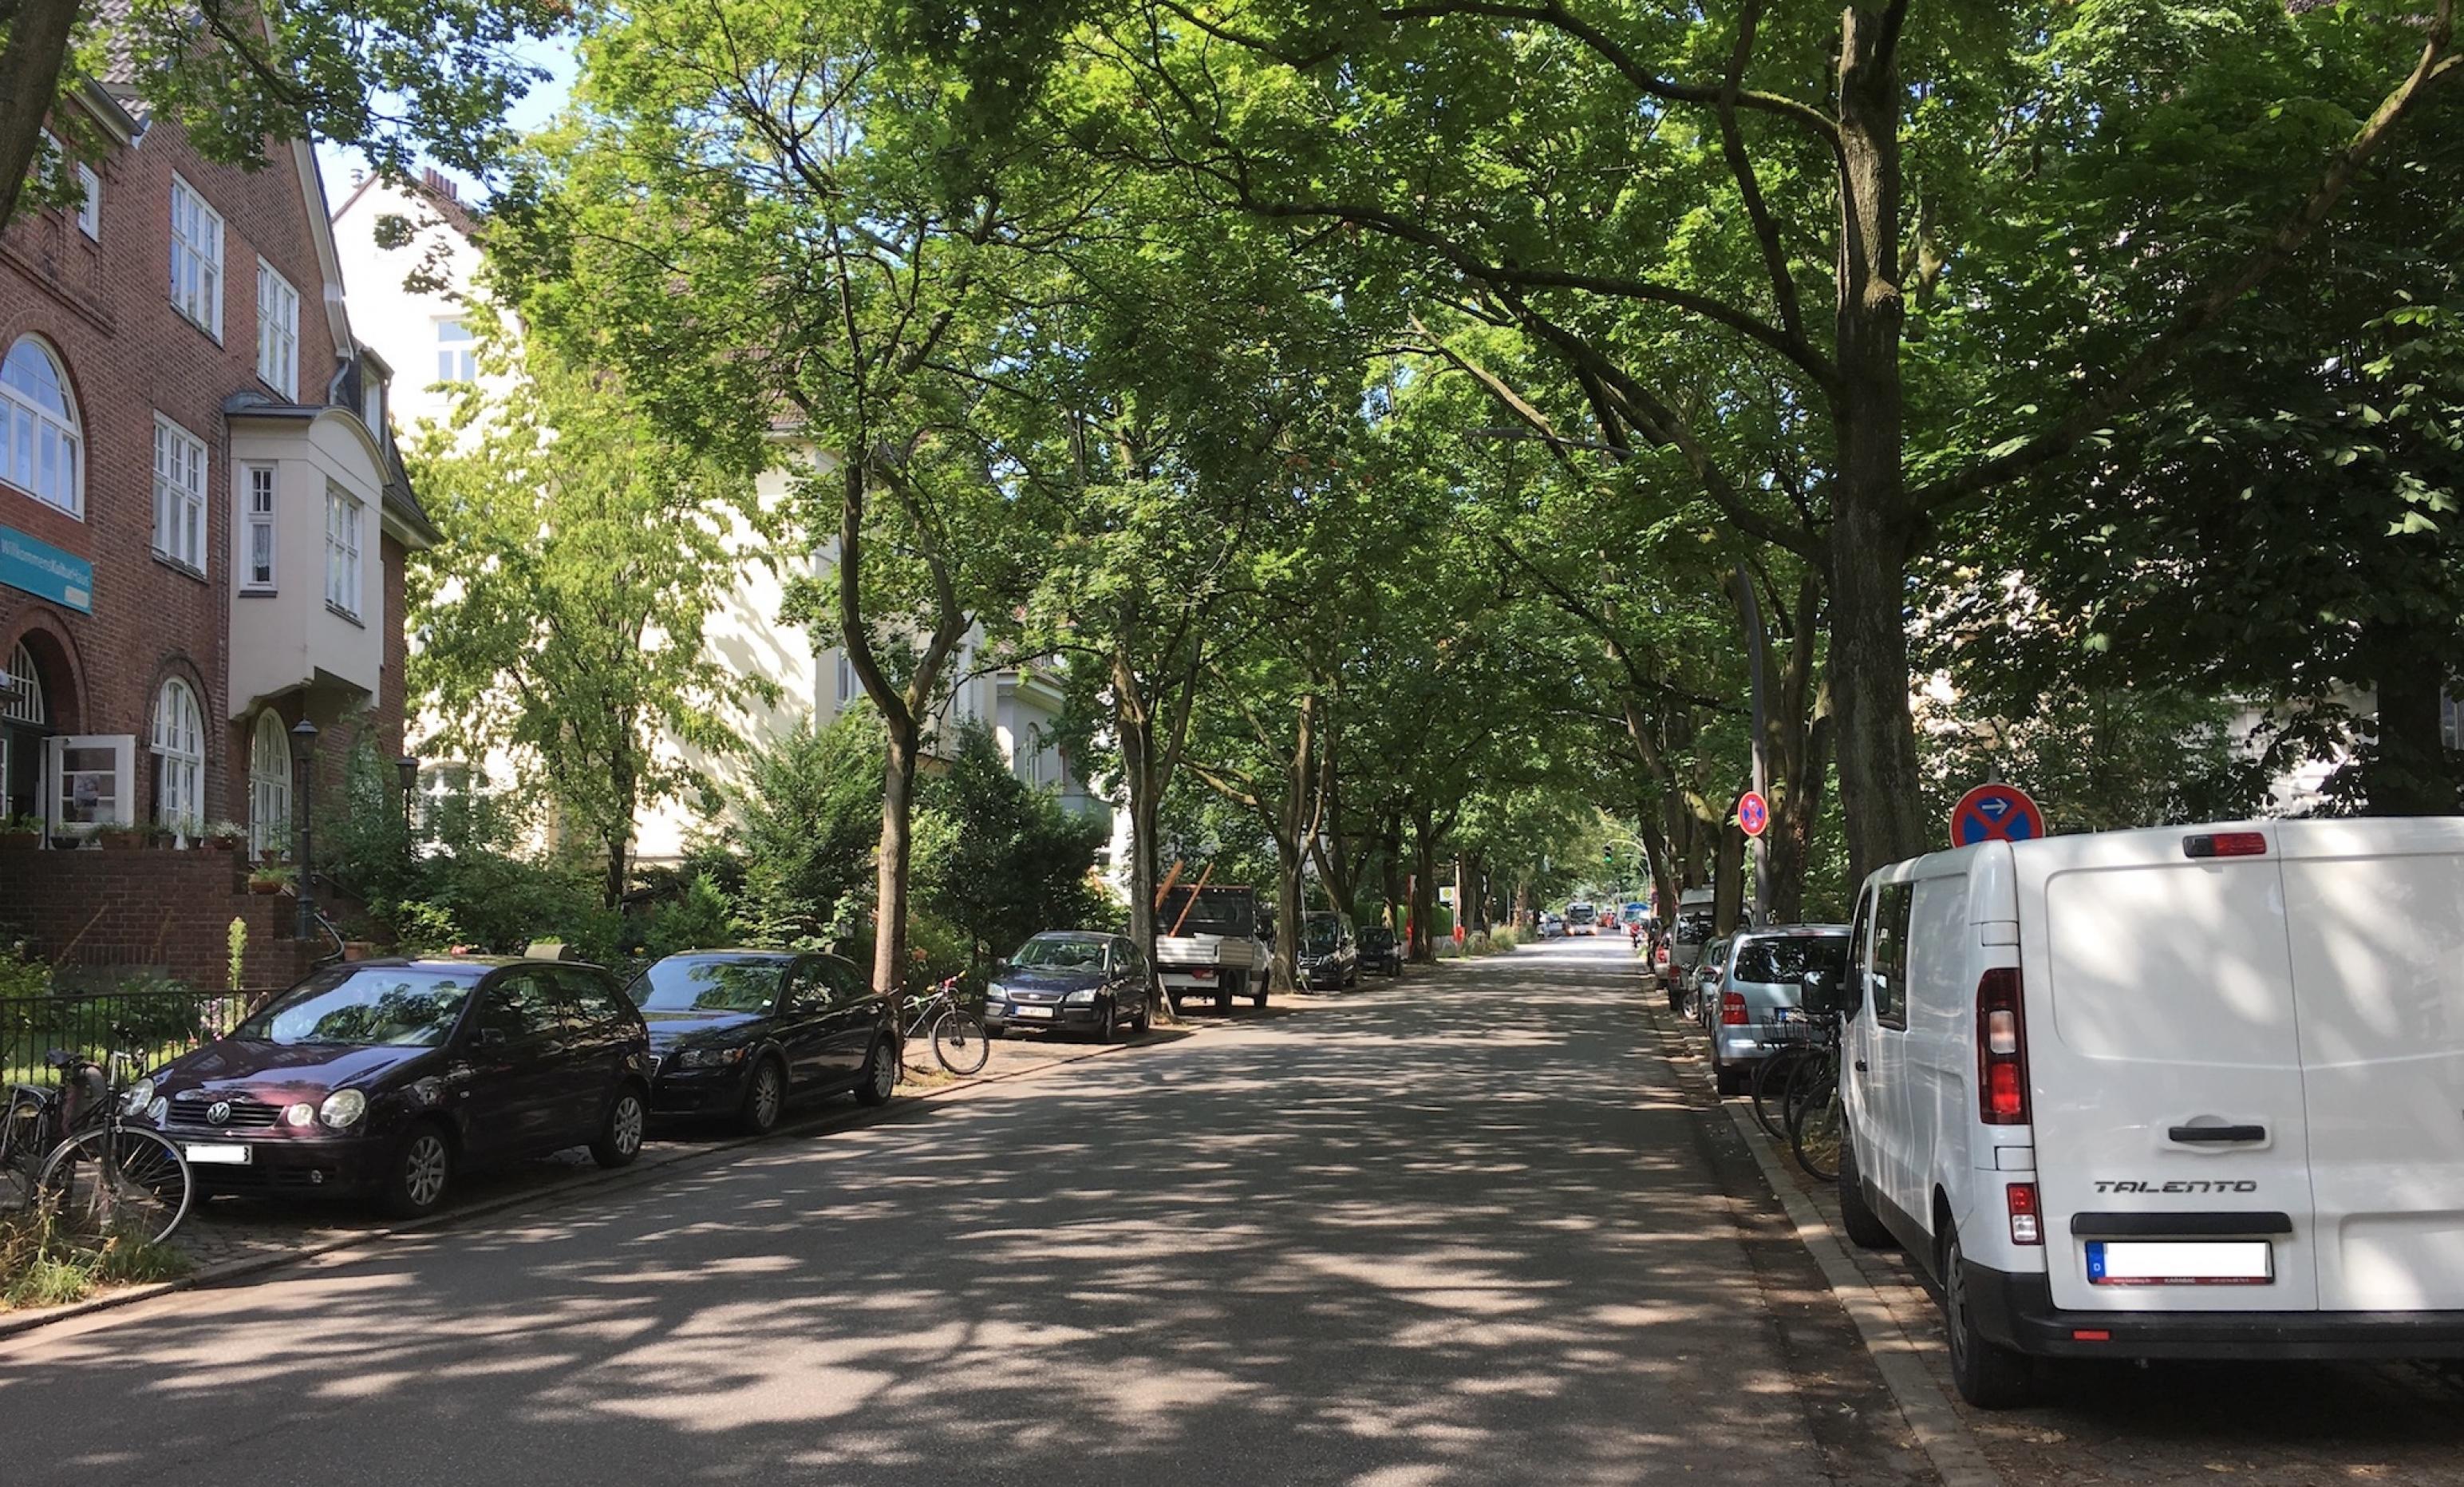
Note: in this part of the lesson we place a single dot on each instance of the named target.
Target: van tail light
(1732, 1009)
(2026, 1227)
(2001, 1048)
(2226, 844)
(1202, 973)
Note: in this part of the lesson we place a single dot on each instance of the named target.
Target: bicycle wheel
(1772, 1077)
(21, 1146)
(118, 1182)
(1815, 1131)
(959, 1043)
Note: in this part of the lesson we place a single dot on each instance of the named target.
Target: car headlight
(1081, 998)
(300, 1114)
(996, 991)
(342, 1108)
(708, 1057)
(160, 1111)
(139, 1096)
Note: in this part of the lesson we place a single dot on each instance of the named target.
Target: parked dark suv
(388, 1076)
(1381, 954)
(742, 1033)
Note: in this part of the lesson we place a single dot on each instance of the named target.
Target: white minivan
(2191, 1092)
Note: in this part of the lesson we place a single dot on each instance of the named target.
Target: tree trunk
(29, 80)
(1391, 876)
(1287, 915)
(897, 811)
(1137, 775)
(1872, 531)
(2403, 768)
(1728, 880)
(1425, 887)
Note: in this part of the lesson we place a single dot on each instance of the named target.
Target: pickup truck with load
(1211, 947)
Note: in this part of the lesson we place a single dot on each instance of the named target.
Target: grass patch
(42, 1263)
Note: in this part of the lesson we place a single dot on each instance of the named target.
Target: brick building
(202, 519)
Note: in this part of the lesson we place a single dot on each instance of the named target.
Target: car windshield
(1693, 930)
(1785, 962)
(397, 1006)
(1058, 952)
(1377, 938)
(1321, 934)
(709, 985)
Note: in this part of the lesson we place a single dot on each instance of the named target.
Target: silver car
(1702, 981)
(1752, 1011)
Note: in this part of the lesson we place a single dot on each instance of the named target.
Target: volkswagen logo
(218, 1113)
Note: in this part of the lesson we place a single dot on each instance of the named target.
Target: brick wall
(165, 911)
(103, 307)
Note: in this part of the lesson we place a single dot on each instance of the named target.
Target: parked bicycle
(74, 1148)
(1795, 1091)
(959, 1043)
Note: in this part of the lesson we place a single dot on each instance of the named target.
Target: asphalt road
(1469, 1230)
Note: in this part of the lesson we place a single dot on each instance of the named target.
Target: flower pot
(21, 841)
(119, 841)
(264, 887)
(223, 843)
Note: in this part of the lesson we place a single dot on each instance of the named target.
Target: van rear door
(2377, 919)
(2165, 1093)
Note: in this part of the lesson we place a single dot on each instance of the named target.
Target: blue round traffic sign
(1996, 813)
(1753, 814)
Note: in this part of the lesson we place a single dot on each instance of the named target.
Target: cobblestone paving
(2268, 1425)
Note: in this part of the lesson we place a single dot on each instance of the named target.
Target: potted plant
(270, 879)
(119, 839)
(161, 837)
(224, 835)
(20, 833)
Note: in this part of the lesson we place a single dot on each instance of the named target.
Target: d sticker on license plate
(217, 1155)
(2240, 1262)
(1031, 1011)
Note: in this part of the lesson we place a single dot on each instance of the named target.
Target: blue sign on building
(44, 572)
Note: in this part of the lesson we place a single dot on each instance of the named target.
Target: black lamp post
(408, 769)
(304, 745)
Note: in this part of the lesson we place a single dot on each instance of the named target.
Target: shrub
(699, 920)
(42, 1264)
(809, 820)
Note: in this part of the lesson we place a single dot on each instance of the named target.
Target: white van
(2193, 1092)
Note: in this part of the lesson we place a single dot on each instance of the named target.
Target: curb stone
(1946, 1441)
(220, 1275)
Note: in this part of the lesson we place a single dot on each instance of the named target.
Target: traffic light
(1608, 853)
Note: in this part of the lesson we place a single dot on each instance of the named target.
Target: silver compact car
(1752, 1006)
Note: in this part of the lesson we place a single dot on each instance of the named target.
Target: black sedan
(387, 1077)
(739, 1034)
(1071, 980)
(1381, 954)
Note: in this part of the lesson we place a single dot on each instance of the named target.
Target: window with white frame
(342, 550)
(269, 784)
(89, 217)
(848, 686)
(277, 331)
(256, 527)
(179, 758)
(179, 494)
(42, 446)
(196, 258)
(457, 352)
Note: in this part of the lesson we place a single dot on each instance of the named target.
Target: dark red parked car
(387, 1077)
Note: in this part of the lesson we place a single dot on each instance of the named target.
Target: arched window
(26, 704)
(179, 759)
(41, 450)
(269, 784)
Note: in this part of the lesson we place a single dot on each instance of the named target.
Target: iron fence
(152, 1023)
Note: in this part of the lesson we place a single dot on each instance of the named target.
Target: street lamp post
(304, 748)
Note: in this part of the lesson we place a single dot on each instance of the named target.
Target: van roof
(2299, 839)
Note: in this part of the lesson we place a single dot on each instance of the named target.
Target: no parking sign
(1996, 813)
(1753, 814)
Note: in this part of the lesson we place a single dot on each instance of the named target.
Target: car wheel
(423, 1169)
(1987, 1374)
(1145, 1019)
(1106, 1020)
(1258, 998)
(764, 1098)
(1864, 1227)
(880, 1077)
(620, 1137)
(1727, 1081)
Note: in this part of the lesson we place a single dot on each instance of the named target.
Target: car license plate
(2240, 1262)
(218, 1156)
(1031, 1011)
(1783, 1013)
